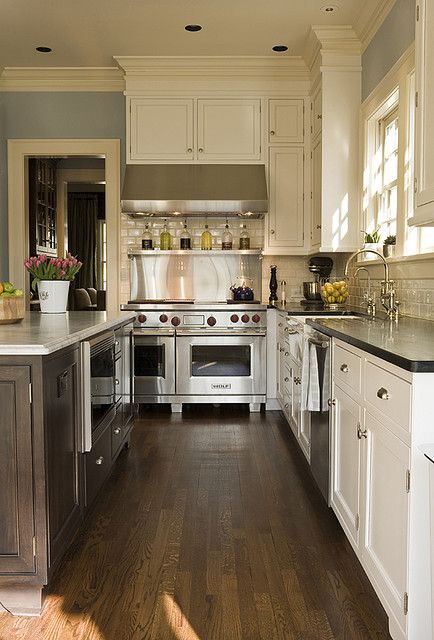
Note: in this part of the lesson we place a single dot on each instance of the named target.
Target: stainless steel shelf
(184, 252)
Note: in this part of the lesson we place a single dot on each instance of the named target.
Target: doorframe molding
(18, 229)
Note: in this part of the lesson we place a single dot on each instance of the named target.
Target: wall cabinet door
(286, 205)
(16, 472)
(345, 498)
(161, 129)
(383, 545)
(316, 193)
(317, 113)
(62, 425)
(229, 130)
(285, 121)
(424, 170)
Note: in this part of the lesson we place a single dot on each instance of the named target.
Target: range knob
(176, 321)
(234, 317)
(163, 318)
(211, 321)
(141, 317)
(245, 318)
(256, 318)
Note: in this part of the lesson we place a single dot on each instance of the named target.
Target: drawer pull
(344, 368)
(280, 324)
(291, 332)
(361, 433)
(286, 405)
(383, 394)
(99, 460)
(116, 431)
(286, 353)
(286, 379)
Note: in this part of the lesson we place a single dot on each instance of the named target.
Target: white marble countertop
(43, 333)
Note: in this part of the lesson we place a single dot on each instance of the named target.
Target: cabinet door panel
(285, 186)
(424, 111)
(285, 121)
(346, 464)
(161, 129)
(317, 113)
(384, 544)
(316, 193)
(62, 427)
(16, 474)
(229, 129)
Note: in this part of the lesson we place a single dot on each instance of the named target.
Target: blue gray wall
(54, 115)
(389, 43)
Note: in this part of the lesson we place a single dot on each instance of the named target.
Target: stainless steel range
(189, 352)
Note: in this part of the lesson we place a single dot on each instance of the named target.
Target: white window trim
(394, 85)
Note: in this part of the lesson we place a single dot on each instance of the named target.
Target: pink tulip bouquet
(45, 268)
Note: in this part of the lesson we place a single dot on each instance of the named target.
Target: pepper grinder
(273, 284)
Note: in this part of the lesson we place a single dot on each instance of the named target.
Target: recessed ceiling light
(329, 8)
(280, 47)
(44, 49)
(193, 27)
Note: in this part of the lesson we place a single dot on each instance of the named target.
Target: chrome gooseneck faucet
(388, 294)
(368, 297)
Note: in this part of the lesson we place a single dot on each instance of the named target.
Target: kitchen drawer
(347, 368)
(117, 431)
(389, 394)
(98, 463)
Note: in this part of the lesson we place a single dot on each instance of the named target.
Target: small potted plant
(52, 277)
(389, 247)
(371, 241)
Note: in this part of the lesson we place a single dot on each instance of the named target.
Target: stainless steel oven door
(154, 363)
(213, 364)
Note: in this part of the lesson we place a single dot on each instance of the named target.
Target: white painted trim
(18, 234)
(61, 79)
(370, 20)
(338, 45)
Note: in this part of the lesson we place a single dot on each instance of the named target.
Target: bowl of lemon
(334, 293)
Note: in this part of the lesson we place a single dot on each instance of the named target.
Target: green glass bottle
(165, 238)
(206, 239)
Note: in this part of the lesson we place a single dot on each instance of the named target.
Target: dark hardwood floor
(209, 529)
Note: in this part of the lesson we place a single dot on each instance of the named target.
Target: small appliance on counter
(321, 267)
(242, 289)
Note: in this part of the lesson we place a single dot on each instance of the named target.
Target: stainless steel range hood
(195, 189)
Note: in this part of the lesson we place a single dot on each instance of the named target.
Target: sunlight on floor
(178, 623)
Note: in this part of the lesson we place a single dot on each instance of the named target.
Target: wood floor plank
(210, 528)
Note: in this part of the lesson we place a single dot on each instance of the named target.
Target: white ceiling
(90, 32)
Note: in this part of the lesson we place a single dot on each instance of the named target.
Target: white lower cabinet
(345, 473)
(383, 543)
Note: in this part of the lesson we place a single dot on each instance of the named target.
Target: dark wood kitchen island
(47, 482)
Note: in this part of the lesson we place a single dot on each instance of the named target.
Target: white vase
(53, 295)
(373, 246)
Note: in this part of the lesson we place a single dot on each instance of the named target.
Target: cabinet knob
(99, 460)
(200, 150)
(383, 394)
(286, 353)
(272, 133)
(286, 379)
(272, 232)
(331, 402)
(286, 405)
(319, 117)
(189, 150)
(318, 226)
(117, 381)
(117, 343)
(344, 368)
(116, 431)
(280, 324)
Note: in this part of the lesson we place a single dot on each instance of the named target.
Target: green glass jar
(165, 239)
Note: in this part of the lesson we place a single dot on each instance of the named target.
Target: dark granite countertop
(409, 344)
(295, 308)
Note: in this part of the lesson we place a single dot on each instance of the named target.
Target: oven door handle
(224, 333)
(86, 400)
(152, 333)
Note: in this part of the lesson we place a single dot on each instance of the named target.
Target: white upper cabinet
(285, 218)
(161, 129)
(285, 121)
(424, 148)
(316, 165)
(229, 129)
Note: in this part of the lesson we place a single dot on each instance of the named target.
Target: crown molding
(61, 79)
(337, 46)
(213, 66)
(370, 19)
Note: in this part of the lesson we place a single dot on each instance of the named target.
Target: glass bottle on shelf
(185, 238)
(244, 238)
(147, 239)
(226, 238)
(165, 238)
(206, 239)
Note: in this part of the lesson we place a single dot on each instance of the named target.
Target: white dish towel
(310, 390)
